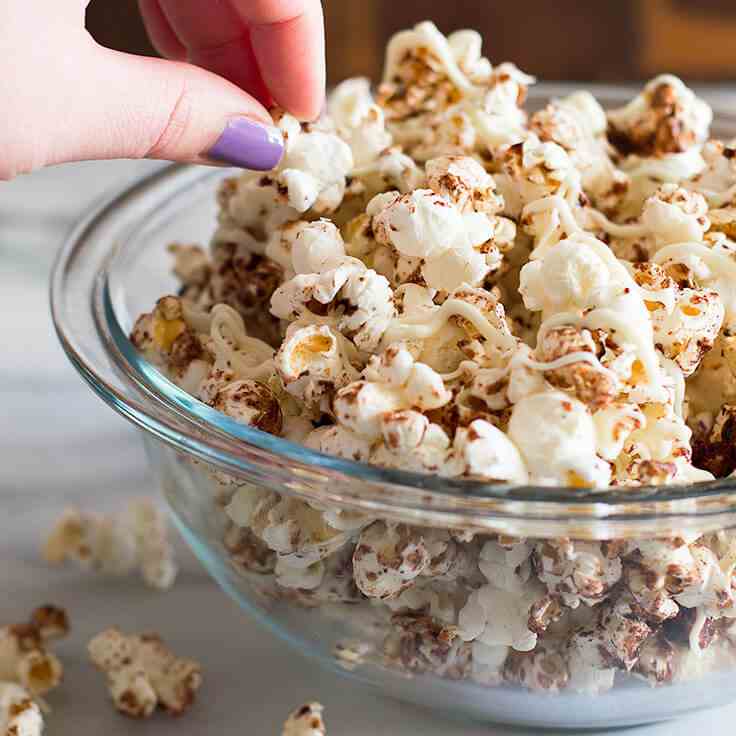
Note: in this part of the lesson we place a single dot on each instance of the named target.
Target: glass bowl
(114, 267)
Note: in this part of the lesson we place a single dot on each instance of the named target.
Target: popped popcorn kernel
(25, 658)
(116, 544)
(305, 721)
(19, 714)
(143, 674)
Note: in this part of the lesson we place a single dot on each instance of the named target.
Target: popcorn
(717, 181)
(167, 338)
(305, 721)
(250, 403)
(497, 618)
(463, 181)
(247, 552)
(486, 453)
(388, 558)
(578, 572)
(393, 381)
(592, 384)
(666, 117)
(25, 660)
(429, 233)
(441, 96)
(143, 674)
(359, 120)
(287, 525)
(420, 645)
(314, 166)
(357, 300)
(19, 715)
(543, 669)
(155, 551)
(556, 437)
(116, 544)
(578, 124)
(312, 365)
(656, 662)
(533, 170)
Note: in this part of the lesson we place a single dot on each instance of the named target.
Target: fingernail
(249, 145)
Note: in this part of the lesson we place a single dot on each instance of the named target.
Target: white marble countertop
(60, 445)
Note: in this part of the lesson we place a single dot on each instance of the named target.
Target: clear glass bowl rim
(112, 367)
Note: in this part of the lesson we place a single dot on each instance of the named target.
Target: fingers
(273, 49)
(160, 32)
(288, 41)
(216, 39)
(135, 107)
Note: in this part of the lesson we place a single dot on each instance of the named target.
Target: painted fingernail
(249, 145)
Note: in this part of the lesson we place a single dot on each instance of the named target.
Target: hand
(66, 98)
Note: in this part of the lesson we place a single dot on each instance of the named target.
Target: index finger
(288, 39)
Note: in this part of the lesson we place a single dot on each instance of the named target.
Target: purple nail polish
(249, 145)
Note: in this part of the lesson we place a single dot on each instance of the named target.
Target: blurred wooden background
(565, 39)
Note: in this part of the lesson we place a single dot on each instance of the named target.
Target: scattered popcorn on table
(19, 715)
(143, 674)
(117, 544)
(435, 279)
(24, 655)
(305, 721)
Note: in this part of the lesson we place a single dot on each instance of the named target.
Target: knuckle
(174, 128)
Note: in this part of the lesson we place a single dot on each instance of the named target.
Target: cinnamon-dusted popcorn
(314, 166)
(155, 549)
(544, 669)
(388, 558)
(392, 381)
(242, 278)
(313, 364)
(577, 572)
(169, 339)
(251, 403)
(707, 265)
(19, 715)
(305, 721)
(287, 525)
(247, 552)
(592, 384)
(556, 437)
(143, 673)
(419, 644)
(717, 181)
(659, 134)
(434, 84)
(578, 124)
(666, 117)
(672, 214)
(463, 181)
(116, 544)
(24, 657)
(357, 300)
(484, 452)
(359, 120)
(532, 170)
(432, 236)
(93, 541)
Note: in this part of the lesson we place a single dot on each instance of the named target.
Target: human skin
(66, 98)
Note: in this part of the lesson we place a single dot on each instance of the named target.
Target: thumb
(136, 107)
